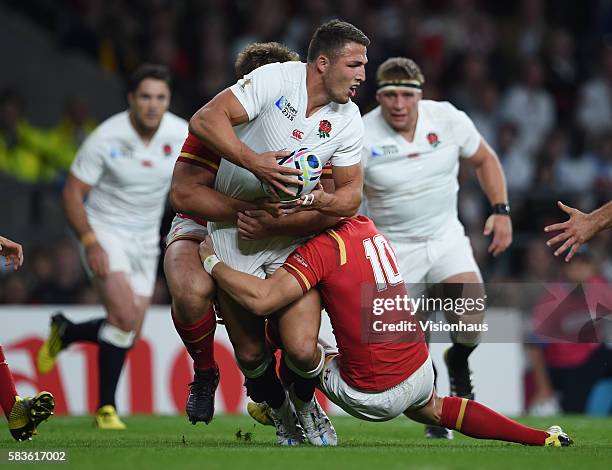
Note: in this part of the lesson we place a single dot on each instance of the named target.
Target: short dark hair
(399, 68)
(261, 53)
(156, 71)
(330, 37)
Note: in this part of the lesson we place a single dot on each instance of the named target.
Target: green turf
(172, 443)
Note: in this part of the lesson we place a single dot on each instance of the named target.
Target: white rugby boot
(288, 429)
(317, 426)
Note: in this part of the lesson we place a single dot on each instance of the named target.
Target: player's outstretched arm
(192, 193)
(493, 182)
(259, 296)
(12, 251)
(213, 125)
(579, 228)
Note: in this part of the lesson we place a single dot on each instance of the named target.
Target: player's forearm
(492, 180)
(303, 224)
(344, 202)
(252, 293)
(602, 217)
(214, 128)
(204, 202)
(74, 210)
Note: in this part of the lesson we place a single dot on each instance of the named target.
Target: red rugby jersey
(194, 152)
(353, 266)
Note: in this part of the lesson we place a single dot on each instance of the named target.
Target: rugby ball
(311, 168)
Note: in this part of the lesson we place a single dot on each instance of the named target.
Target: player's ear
(130, 98)
(378, 98)
(323, 63)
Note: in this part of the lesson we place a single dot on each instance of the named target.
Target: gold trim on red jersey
(301, 274)
(196, 159)
(341, 245)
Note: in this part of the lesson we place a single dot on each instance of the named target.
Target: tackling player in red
(377, 375)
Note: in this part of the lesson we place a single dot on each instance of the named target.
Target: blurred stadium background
(534, 75)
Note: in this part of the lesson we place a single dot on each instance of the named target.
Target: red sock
(475, 420)
(199, 339)
(7, 385)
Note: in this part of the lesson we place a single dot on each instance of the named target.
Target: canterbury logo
(297, 134)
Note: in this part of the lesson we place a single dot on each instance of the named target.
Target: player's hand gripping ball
(310, 165)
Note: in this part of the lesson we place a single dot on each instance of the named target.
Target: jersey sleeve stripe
(341, 245)
(199, 159)
(327, 173)
(464, 403)
(301, 275)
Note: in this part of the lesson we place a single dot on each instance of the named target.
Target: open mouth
(353, 91)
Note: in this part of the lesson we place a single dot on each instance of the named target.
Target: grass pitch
(231, 442)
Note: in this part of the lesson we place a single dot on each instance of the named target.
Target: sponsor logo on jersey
(297, 134)
(124, 151)
(433, 139)
(147, 163)
(299, 259)
(325, 128)
(384, 150)
(288, 111)
(167, 150)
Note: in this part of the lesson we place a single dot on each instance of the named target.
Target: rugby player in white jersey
(412, 149)
(284, 107)
(192, 194)
(124, 168)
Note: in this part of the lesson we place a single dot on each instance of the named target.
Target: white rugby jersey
(275, 98)
(411, 187)
(130, 181)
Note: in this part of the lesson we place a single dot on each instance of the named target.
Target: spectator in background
(569, 355)
(532, 27)
(573, 172)
(42, 276)
(562, 72)
(518, 166)
(473, 76)
(603, 162)
(64, 139)
(530, 106)
(486, 113)
(552, 150)
(18, 156)
(594, 112)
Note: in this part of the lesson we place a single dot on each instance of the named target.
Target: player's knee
(192, 301)
(250, 357)
(123, 318)
(303, 354)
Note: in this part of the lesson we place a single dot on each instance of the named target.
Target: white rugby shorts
(129, 252)
(432, 260)
(185, 229)
(260, 258)
(413, 393)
